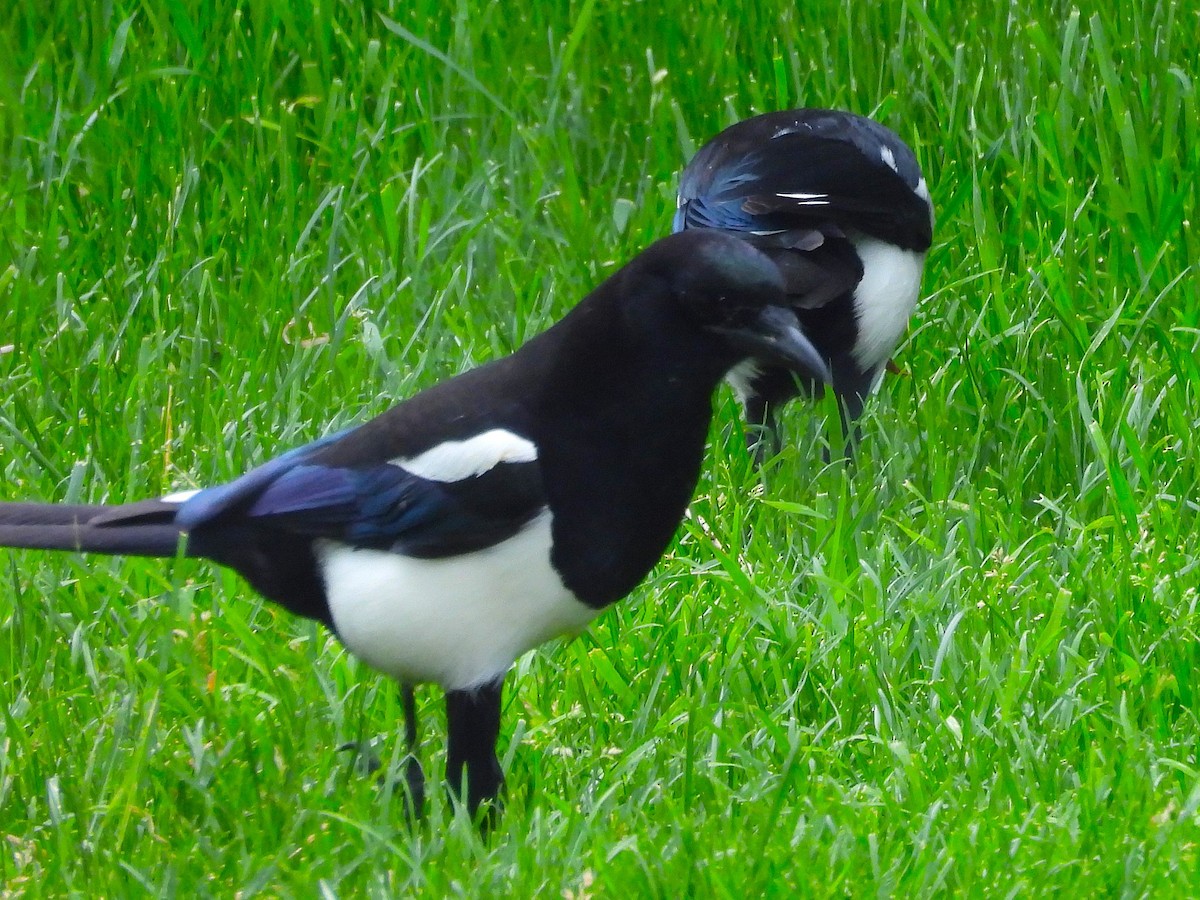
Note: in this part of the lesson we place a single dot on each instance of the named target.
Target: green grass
(965, 668)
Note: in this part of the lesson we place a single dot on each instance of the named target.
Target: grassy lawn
(964, 668)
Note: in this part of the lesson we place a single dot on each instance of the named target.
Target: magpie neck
(620, 416)
(637, 358)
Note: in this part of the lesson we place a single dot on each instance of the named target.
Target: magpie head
(722, 287)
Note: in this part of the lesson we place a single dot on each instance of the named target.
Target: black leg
(851, 385)
(473, 722)
(850, 407)
(762, 432)
(413, 776)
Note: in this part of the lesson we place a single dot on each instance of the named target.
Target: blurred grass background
(965, 667)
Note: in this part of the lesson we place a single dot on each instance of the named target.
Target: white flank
(456, 460)
(179, 496)
(459, 621)
(740, 377)
(884, 298)
(889, 158)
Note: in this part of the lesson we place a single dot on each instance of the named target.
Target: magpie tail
(146, 528)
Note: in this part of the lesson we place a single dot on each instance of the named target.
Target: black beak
(774, 337)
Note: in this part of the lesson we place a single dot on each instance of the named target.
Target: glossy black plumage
(595, 429)
(839, 203)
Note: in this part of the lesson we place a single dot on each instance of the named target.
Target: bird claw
(412, 784)
(365, 762)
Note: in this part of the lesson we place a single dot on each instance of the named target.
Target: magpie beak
(839, 204)
(774, 337)
(491, 512)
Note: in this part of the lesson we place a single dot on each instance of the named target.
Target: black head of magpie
(497, 509)
(839, 203)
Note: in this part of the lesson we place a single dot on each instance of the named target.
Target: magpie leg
(414, 777)
(365, 761)
(851, 385)
(850, 407)
(762, 431)
(472, 769)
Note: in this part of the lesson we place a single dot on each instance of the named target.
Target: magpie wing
(379, 505)
(804, 186)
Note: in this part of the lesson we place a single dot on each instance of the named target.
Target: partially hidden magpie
(839, 203)
(497, 509)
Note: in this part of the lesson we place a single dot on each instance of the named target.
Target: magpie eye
(737, 314)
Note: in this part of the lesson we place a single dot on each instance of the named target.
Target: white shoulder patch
(922, 191)
(888, 157)
(456, 460)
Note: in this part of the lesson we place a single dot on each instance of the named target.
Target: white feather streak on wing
(459, 621)
(179, 496)
(800, 195)
(884, 298)
(456, 460)
(889, 158)
(922, 191)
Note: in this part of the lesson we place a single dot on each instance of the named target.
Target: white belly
(459, 621)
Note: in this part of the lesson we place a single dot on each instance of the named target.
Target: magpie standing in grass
(839, 203)
(497, 509)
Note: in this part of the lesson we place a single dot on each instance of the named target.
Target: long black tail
(136, 529)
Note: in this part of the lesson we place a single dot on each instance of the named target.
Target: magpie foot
(364, 761)
(486, 814)
(412, 784)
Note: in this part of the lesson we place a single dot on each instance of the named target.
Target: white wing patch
(884, 298)
(459, 621)
(889, 158)
(179, 496)
(456, 460)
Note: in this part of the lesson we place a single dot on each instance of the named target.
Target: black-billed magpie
(839, 203)
(493, 511)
